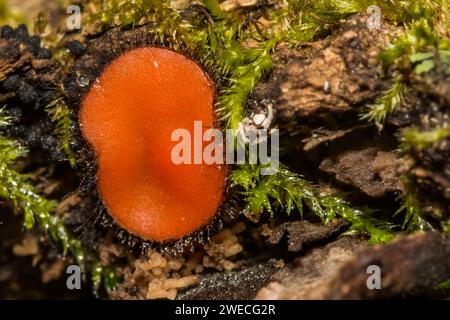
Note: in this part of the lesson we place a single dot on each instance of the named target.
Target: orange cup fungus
(128, 116)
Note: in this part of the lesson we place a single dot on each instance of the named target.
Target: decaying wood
(409, 266)
(309, 276)
(301, 235)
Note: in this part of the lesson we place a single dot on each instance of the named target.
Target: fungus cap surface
(128, 116)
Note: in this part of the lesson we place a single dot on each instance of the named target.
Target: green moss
(61, 116)
(419, 36)
(414, 219)
(17, 190)
(288, 191)
(446, 226)
(415, 140)
(444, 286)
(426, 37)
(426, 61)
(414, 50)
(109, 13)
(255, 63)
(386, 104)
(302, 20)
(11, 16)
(103, 276)
(422, 48)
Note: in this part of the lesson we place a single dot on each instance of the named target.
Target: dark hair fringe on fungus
(93, 57)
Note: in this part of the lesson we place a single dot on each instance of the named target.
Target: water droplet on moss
(83, 80)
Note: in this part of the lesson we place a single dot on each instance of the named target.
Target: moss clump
(414, 139)
(11, 16)
(40, 212)
(61, 116)
(422, 50)
(414, 218)
(288, 191)
(103, 276)
(15, 188)
(385, 105)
